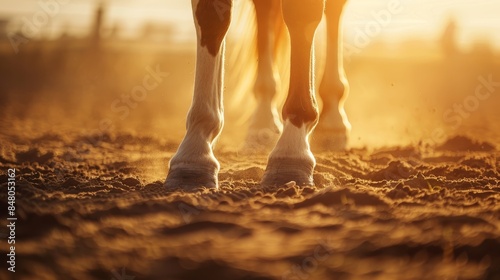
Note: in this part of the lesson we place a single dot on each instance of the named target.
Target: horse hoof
(260, 141)
(189, 178)
(280, 171)
(333, 140)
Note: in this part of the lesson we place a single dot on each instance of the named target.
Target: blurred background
(419, 70)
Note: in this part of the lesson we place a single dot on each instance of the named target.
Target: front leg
(291, 159)
(194, 164)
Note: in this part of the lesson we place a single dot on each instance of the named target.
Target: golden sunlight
(477, 20)
(398, 179)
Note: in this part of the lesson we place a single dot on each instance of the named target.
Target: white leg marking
(194, 165)
(291, 159)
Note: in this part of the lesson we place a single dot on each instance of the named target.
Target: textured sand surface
(96, 209)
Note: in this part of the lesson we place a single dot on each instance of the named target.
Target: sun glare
(379, 19)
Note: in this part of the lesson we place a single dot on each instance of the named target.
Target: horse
(194, 164)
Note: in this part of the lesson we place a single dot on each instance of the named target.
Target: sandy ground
(94, 208)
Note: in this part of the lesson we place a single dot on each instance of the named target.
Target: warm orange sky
(478, 19)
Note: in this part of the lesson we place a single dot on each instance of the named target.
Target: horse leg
(194, 164)
(333, 128)
(291, 159)
(265, 126)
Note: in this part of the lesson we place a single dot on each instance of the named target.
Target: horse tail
(242, 59)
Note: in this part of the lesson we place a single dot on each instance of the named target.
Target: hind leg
(291, 159)
(265, 126)
(333, 128)
(194, 164)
